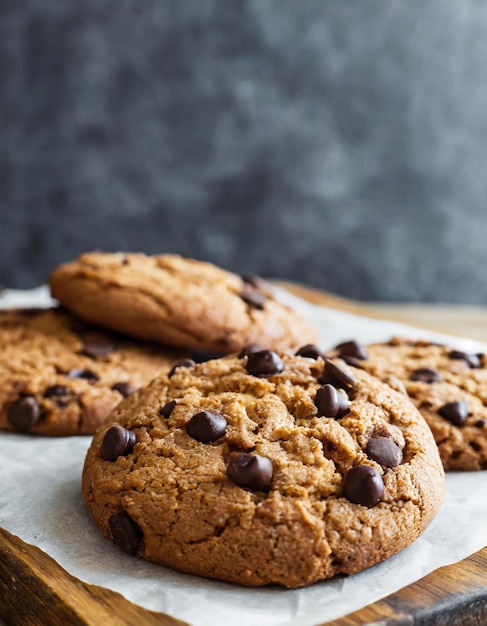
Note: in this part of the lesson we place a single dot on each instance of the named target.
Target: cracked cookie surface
(264, 469)
(449, 387)
(60, 376)
(177, 301)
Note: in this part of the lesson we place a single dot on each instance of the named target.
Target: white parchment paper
(40, 501)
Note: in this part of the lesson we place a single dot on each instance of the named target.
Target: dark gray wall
(339, 143)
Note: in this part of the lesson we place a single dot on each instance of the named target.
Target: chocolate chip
(84, 374)
(126, 389)
(56, 390)
(384, 451)
(250, 349)
(352, 349)
(351, 360)
(253, 296)
(253, 279)
(426, 375)
(117, 442)
(23, 413)
(455, 412)
(125, 532)
(97, 346)
(473, 360)
(251, 471)
(310, 351)
(480, 423)
(206, 426)
(363, 485)
(59, 394)
(257, 282)
(182, 363)
(264, 363)
(330, 402)
(167, 409)
(201, 356)
(336, 376)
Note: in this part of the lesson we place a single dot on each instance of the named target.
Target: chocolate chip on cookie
(426, 375)
(264, 363)
(251, 471)
(311, 351)
(117, 442)
(206, 426)
(336, 376)
(363, 485)
(23, 414)
(330, 402)
(126, 389)
(253, 296)
(167, 408)
(181, 363)
(385, 451)
(60, 394)
(255, 281)
(85, 374)
(455, 412)
(473, 360)
(96, 347)
(352, 349)
(125, 532)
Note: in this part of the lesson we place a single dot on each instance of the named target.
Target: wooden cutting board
(35, 590)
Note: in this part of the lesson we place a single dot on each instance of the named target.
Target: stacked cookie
(177, 301)
(125, 319)
(60, 376)
(266, 462)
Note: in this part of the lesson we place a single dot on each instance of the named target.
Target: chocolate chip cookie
(178, 301)
(59, 376)
(264, 468)
(449, 387)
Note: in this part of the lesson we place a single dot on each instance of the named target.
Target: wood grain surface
(35, 590)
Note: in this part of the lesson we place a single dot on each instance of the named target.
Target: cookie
(264, 469)
(178, 301)
(59, 376)
(449, 387)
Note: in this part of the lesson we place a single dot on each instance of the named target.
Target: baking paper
(41, 502)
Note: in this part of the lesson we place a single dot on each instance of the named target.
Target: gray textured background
(339, 143)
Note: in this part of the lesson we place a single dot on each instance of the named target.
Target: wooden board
(35, 590)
